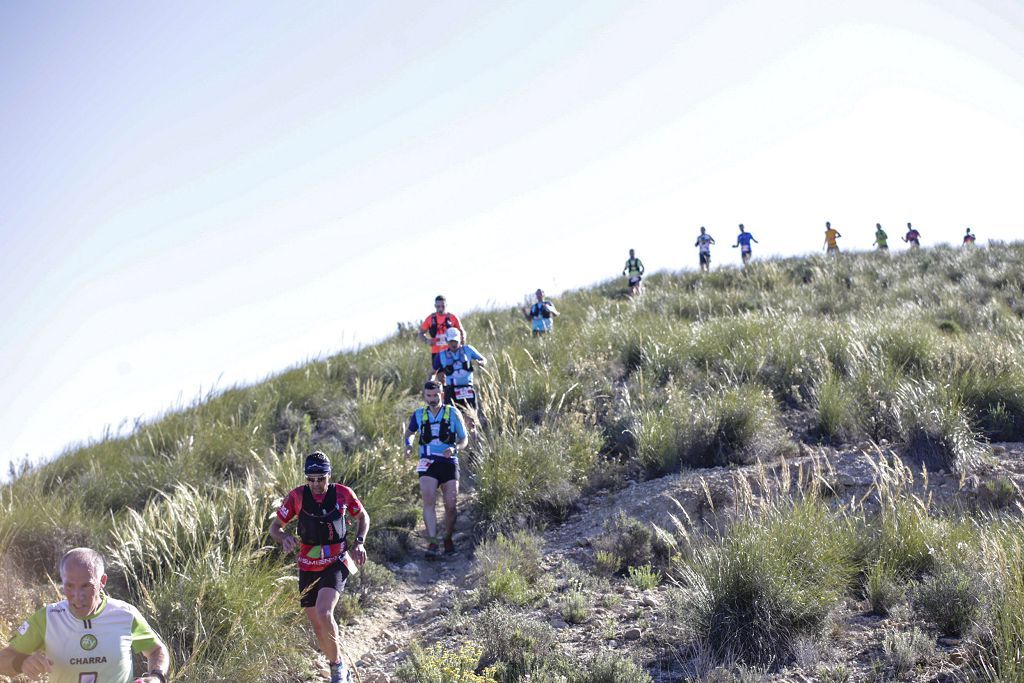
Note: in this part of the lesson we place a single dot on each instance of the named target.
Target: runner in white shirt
(703, 243)
(87, 638)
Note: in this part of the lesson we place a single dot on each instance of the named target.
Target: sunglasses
(316, 480)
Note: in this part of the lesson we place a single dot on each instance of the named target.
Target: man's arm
(424, 328)
(410, 432)
(362, 528)
(460, 432)
(157, 659)
(277, 532)
(553, 311)
(13, 663)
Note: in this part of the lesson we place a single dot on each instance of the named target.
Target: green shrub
(524, 475)
(883, 589)
(1003, 660)
(574, 607)
(773, 578)
(508, 569)
(835, 409)
(998, 493)
(994, 395)
(643, 577)
(934, 428)
(736, 426)
(628, 542)
(610, 667)
(607, 563)
(516, 644)
(904, 650)
(443, 664)
(951, 598)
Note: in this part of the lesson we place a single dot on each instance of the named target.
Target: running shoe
(449, 545)
(340, 673)
(432, 551)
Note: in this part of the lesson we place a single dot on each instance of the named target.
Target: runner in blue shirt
(441, 435)
(743, 241)
(541, 314)
(458, 364)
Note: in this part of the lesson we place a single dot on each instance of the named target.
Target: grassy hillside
(922, 353)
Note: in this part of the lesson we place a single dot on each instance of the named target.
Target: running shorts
(454, 395)
(442, 469)
(705, 258)
(333, 576)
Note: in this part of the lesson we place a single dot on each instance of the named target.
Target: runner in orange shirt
(432, 331)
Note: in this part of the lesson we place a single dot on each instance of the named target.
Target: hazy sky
(197, 194)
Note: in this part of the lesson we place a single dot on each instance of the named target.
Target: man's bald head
(86, 558)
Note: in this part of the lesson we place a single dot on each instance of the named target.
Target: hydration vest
(633, 265)
(434, 324)
(321, 523)
(540, 310)
(467, 364)
(445, 434)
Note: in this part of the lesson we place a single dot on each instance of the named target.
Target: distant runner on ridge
(541, 314)
(441, 434)
(634, 270)
(969, 238)
(743, 241)
(913, 237)
(703, 244)
(881, 238)
(432, 332)
(831, 235)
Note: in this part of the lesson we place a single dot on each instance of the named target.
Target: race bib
(424, 465)
(435, 429)
(464, 393)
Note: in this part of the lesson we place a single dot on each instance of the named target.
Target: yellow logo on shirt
(88, 642)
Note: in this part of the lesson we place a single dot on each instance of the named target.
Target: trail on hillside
(704, 500)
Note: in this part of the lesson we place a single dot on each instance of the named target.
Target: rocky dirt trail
(702, 500)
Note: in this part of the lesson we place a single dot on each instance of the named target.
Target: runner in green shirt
(881, 239)
(87, 638)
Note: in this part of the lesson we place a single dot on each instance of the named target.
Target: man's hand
(288, 542)
(36, 665)
(450, 452)
(359, 554)
(147, 679)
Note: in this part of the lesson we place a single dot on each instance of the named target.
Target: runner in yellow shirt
(831, 234)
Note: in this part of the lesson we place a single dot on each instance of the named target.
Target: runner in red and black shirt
(322, 510)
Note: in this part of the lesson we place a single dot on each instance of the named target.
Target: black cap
(317, 463)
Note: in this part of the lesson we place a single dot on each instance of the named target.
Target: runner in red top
(432, 331)
(322, 510)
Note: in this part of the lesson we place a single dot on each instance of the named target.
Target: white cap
(453, 334)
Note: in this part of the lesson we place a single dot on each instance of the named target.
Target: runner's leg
(450, 493)
(428, 490)
(321, 616)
